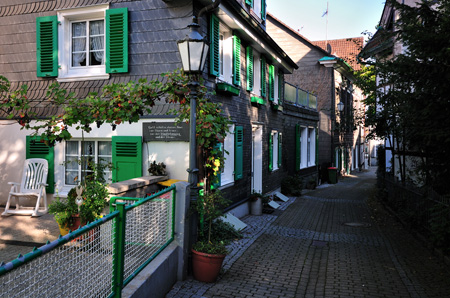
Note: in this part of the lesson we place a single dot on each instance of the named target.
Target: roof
(346, 48)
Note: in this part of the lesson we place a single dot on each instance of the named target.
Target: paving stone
(306, 250)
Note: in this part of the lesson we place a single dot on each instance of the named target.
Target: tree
(414, 105)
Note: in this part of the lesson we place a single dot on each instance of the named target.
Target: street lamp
(193, 51)
(340, 106)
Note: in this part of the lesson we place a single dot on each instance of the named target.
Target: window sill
(227, 89)
(257, 100)
(82, 78)
(227, 184)
(275, 106)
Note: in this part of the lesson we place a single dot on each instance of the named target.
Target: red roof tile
(346, 48)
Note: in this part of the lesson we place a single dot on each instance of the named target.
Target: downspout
(207, 8)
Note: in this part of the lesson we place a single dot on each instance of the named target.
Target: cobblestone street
(327, 243)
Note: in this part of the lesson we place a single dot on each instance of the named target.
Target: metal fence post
(119, 250)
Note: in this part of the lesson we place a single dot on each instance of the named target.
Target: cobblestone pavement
(327, 243)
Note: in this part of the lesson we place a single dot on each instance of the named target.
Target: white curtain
(97, 33)
(78, 43)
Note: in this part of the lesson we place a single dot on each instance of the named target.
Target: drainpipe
(207, 8)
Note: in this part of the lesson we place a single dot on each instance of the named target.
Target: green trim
(271, 82)
(116, 40)
(236, 60)
(258, 100)
(214, 55)
(47, 46)
(250, 72)
(226, 88)
(249, 2)
(126, 157)
(37, 149)
(119, 250)
(263, 76)
(238, 152)
(263, 10)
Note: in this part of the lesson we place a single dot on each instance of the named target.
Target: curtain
(97, 41)
(79, 44)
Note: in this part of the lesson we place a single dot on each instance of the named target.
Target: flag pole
(326, 31)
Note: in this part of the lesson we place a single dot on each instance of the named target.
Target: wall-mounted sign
(165, 132)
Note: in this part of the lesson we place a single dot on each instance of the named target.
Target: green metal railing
(98, 259)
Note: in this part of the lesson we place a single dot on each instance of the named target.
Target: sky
(346, 18)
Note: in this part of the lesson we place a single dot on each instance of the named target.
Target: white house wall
(12, 153)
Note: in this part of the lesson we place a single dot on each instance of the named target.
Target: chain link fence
(99, 259)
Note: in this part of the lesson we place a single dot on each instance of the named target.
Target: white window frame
(257, 7)
(312, 146)
(256, 73)
(225, 53)
(66, 73)
(227, 175)
(96, 157)
(275, 140)
(304, 150)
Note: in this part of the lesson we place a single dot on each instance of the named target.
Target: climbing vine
(118, 103)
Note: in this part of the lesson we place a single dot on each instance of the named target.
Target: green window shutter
(126, 157)
(47, 46)
(37, 149)
(280, 139)
(236, 60)
(280, 87)
(249, 52)
(249, 2)
(238, 152)
(263, 9)
(271, 82)
(298, 146)
(214, 55)
(270, 152)
(117, 40)
(263, 76)
(217, 179)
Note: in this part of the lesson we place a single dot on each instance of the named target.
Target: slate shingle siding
(154, 28)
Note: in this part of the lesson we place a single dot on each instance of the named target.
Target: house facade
(86, 46)
(329, 76)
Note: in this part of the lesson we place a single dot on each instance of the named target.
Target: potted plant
(209, 251)
(256, 203)
(83, 204)
(157, 169)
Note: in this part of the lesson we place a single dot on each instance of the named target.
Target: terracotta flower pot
(206, 267)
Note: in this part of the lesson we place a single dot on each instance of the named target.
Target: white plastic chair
(34, 178)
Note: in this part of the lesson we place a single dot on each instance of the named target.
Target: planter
(256, 206)
(206, 267)
(74, 226)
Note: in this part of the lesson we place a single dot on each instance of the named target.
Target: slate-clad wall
(154, 28)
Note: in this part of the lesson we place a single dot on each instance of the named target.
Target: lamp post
(340, 106)
(193, 51)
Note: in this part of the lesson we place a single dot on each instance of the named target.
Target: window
(228, 167)
(306, 147)
(274, 150)
(92, 152)
(233, 150)
(259, 7)
(88, 43)
(225, 52)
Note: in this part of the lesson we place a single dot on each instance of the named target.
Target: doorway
(257, 153)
